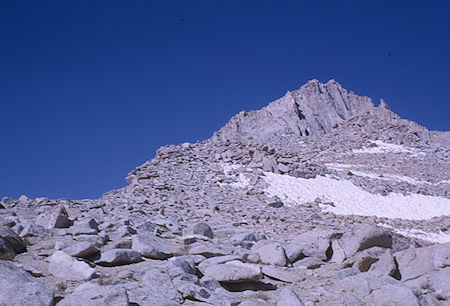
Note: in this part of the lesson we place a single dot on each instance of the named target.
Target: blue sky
(90, 89)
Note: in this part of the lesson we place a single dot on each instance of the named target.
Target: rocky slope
(320, 198)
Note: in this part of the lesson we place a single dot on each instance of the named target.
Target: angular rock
(118, 257)
(247, 239)
(82, 250)
(152, 246)
(364, 237)
(288, 297)
(60, 221)
(392, 295)
(288, 275)
(385, 265)
(199, 293)
(217, 260)
(35, 230)
(185, 263)
(14, 240)
(309, 263)
(283, 168)
(92, 294)
(18, 287)
(154, 287)
(270, 252)
(315, 243)
(66, 267)
(415, 262)
(84, 228)
(190, 239)
(56, 219)
(200, 228)
(208, 249)
(6, 251)
(370, 288)
(234, 271)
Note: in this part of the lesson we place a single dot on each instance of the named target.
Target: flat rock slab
(234, 271)
(152, 246)
(18, 287)
(118, 257)
(288, 297)
(84, 228)
(364, 237)
(217, 260)
(66, 267)
(92, 294)
(81, 249)
(208, 249)
(154, 287)
(290, 275)
(270, 252)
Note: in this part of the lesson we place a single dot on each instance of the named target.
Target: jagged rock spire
(312, 110)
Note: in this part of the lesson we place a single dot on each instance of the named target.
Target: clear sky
(90, 89)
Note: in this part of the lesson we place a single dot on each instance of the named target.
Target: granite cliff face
(320, 198)
(313, 110)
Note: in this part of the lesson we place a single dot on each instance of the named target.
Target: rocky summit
(319, 198)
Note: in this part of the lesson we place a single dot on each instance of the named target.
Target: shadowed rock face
(313, 110)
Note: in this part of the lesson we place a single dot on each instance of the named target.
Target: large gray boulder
(6, 251)
(118, 257)
(288, 275)
(217, 260)
(93, 294)
(427, 267)
(154, 287)
(84, 227)
(13, 239)
(315, 243)
(382, 290)
(19, 288)
(55, 219)
(364, 237)
(415, 262)
(200, 228)
(152, 246)
(288, 297)
(385, 265)
(233, 271)
(81, 249)
(66, 267)
(270, 252)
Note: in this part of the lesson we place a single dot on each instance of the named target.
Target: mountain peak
(312, 110)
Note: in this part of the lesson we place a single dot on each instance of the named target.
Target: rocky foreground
(210, 224)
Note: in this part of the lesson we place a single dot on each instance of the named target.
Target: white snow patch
(442, 182)
(241, 181)
(339, 166)
(384, 147)
(385, 176)
(388, 177)
(439, 237)
(350, 199)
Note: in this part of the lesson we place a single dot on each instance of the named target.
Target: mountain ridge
(311, 110)
(258, 214)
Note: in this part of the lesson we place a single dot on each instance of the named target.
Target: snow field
(352, 200)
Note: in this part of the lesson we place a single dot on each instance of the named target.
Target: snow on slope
(438, 237)
(352, 200)
(381, 147)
